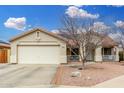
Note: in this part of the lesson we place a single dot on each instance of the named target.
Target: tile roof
(108, 42)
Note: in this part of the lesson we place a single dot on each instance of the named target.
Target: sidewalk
(48, 86)
(117, 82)
(113, 83)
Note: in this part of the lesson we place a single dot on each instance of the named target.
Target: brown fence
(3, 56)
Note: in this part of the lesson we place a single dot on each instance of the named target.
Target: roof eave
(35, 29)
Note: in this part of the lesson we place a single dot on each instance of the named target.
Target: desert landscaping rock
(88, 78)
(76, 74)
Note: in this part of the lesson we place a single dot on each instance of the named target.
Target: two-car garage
(38, 54)
(38, 47)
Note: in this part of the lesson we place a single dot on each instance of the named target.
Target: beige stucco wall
(98, 54)
(8, 55)
(31, 39)
(117, 53)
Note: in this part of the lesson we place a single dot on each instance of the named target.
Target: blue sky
(49, 17)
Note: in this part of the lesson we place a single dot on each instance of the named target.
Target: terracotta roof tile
(108, 42)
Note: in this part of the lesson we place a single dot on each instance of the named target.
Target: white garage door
(38, 54)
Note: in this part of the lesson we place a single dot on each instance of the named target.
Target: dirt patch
(92, 75)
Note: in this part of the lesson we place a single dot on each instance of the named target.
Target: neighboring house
(4, 52)
(38, 46)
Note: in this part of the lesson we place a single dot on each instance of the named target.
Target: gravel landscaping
(93, 74)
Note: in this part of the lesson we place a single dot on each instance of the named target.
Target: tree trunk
(83, 64)
(82, 60)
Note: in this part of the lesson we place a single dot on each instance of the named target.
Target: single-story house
(39, 46)
(4, 52)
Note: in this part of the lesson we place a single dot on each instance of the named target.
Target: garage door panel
(38, 54)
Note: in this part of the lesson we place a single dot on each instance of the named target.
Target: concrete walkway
(113, 83)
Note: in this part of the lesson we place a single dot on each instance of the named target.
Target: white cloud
(119, 24)
(74, 11)
(29, 26)
(16, 23)
(55, 31)
(100, 26)
(114, 35)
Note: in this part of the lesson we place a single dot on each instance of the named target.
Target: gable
(42, 36)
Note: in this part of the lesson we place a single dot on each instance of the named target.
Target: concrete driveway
(16, 75)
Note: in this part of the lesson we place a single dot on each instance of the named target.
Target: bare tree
(83, 34)
(120, 36)
(118, 32)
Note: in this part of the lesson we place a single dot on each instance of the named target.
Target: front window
(73, 54)
(106, 51)
(75, 51)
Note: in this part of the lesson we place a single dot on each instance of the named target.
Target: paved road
(12, 75)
